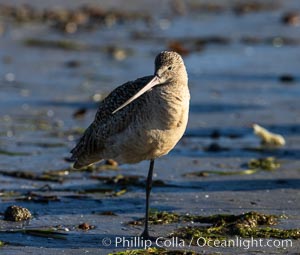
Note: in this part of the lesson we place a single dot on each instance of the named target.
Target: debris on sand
(221, 226)
(286, 78)
(58, 44)
(178, 47)
(11, 153)
(206, 173)
(72, 63)
(80, 113)
(86, 17)
(157, 217)
(17, 213)
(38, 198)
(268, 138)
(268, 163)
(29, 175)
(251, 224)
(254, 6)
(275, 41)
(107, 213)
(85, 226)
(46, 233)
(291, 18)
(215, 147)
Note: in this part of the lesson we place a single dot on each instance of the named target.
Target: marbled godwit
(140, 120)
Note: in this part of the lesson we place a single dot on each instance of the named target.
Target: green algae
(72, 45)
(37, 198)
(157, 217)
(225, 231)
(119, 193)
(28, 197)
(126, 180)
(222, 226)
(163, 217)
(31, 176)
(154, 251)
(9, 194)
(206, 173)
(59, 44)
(251, 224)
(11, 153)
(254, 166)
(269, 163)
(230, 218)
(54, 175)
(46, 233)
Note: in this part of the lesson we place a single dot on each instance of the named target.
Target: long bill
(147, 87)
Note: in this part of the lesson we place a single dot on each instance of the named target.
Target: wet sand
(243, 66)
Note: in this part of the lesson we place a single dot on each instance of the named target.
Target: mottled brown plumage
(148, 127)
(140, 120)
(92, 145)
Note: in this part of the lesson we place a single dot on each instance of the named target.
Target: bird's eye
(170, 68)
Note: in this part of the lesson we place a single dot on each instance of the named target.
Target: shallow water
(233, 85)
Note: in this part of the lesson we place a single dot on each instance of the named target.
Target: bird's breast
(169, 109)
(166, 123)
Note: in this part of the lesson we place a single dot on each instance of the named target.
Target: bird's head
(169, 67)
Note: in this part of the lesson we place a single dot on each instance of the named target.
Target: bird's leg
(145, 233)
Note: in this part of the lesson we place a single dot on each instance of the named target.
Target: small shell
(268, 138)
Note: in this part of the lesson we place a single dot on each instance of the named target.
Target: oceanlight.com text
(176, 242)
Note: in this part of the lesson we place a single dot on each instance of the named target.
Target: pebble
(85, 226)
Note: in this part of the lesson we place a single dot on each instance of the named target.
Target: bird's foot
(145, 235)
